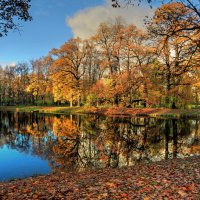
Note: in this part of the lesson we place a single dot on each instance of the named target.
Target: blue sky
(56, 21)
(47, 30)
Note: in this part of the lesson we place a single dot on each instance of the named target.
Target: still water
(33, 143)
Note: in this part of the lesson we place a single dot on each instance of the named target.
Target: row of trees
(119, 65)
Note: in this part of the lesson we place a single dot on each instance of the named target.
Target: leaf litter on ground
(169, 179)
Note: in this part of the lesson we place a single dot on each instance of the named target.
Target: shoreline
(110, 111)
(177, 178)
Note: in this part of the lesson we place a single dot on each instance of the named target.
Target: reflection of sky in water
(15, 164)
(32, 143)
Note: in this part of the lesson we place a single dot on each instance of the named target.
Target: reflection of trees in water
(78, 142)
(9, 134)
(65, 147)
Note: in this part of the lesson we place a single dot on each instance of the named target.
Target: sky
(56, 21)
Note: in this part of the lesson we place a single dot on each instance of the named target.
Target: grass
(42, 109)
(118, 111)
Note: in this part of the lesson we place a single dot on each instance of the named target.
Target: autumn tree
(177, 21)
(21, 82)
(40, 84)
(8, 81)
(193, 21)
(125, 55)
(93, 71)
(108, 41)
(108, 38)
(137, 56)
(69, 67)
(178, 53)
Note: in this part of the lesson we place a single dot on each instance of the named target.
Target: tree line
(120, 65)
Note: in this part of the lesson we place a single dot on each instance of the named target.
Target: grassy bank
(111, 111)
(169, 179)
(43, 109)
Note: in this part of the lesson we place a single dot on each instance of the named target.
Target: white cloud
(4, 64)
(85, 23)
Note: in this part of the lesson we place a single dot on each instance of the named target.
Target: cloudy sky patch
(4, 64)
(85, 22)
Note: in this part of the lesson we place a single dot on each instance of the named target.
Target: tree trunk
(71, 102)
(78, 102)
(43, 100)
(173, 105)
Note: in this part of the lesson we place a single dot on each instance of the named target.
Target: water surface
(33, 143)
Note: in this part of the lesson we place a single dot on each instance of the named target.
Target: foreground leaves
(171, 179)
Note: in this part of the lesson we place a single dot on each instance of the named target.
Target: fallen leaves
(171, 179)
(110, 184)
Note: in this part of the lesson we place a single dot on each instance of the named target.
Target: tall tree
(21, 82)
(70, 67)
(138, 54)
(193, 5)
(40, 85)
(176, 20)
(179, 52)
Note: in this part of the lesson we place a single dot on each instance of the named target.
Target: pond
(33, 143)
